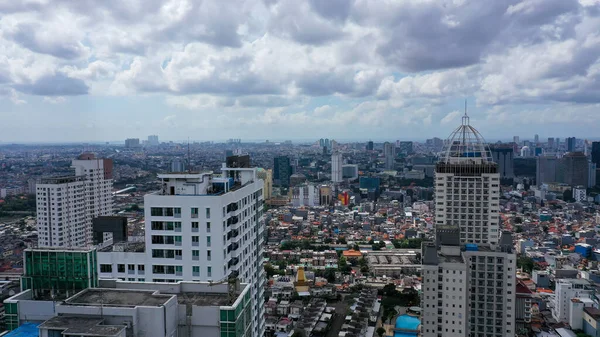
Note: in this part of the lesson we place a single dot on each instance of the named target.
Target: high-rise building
(282, 171)
(177, 165)
(545, 170)
(132, 143)
(67, 205)
(153, 140)
(516, 140)
(336, 167)
(98, 173)
(267, 177)
(571, 144)
(62, 219)
(201, 227)
(388, 155)
(503, 155)
(350, 171)
(573, 169)
(469, 272)
(405, 148)
(550, 143)
(370, 146)
(536, 139)
(596, 153)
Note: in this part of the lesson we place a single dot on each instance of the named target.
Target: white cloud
(450, 117)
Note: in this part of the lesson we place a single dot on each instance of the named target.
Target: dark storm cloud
(54, 85)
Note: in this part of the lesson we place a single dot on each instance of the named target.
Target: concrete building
(388, 155)
(267, 178)
(178, 165)
(200, 227)
(573, 169)
(545, 169)
(336, 167)
(98, 173)
(153, 140)
(580, 193)
(132, 143)
(369, 146)
(305, 195)
(350, 172)
(62, 218)
(140, 309)
(565, 291)
(504, 157)
(469, 271)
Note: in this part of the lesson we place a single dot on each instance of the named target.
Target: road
(338, 320)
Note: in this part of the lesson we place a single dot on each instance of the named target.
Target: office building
(370, 146)
(388, 156)
(516, 140)
(469, 271)
(350, 171)
(306, 195)
(573, 169)
(595, 153)
(545, 169)
(200, 227)
(62, 217)
(132, 143)
(503, 155)
(282, 171)
(153, 140)
(536, 139)
(571, 144)
(551, 143)
(336, 167)
(405, 148)
(592, 175)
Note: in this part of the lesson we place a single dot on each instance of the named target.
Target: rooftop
(118, 298)
(204, 299)
(465, 145)
(82, 326)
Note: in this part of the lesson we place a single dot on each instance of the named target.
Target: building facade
(388, 156)
(200, 227)
(62, 219)
(469, 271)
(504, 157)
(282, 171)
(336, 167)
(98, 173)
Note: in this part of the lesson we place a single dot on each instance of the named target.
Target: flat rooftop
(450, 258)
(132, 247)
(118, 298)
(81, 326)
(205, 299)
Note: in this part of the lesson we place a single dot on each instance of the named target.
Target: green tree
(330, 275)
(380, 331)
(526, 263)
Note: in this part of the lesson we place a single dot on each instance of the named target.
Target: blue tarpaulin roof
(25, 330)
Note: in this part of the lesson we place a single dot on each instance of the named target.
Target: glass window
(208, 227)
(156, 211)
(121, 268)
(106, 268)
(208, 213)
(195, 239)
(209, 271)
(208, 241)
(195, 253)
(179, 269)
(141, 267)
(195, 225)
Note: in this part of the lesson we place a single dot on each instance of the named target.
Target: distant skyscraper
(406, 148)
(545, 169)
(370, 146)
(516, 140)
(153, 140)
(469, 271)
(536, 139)
(571, 144)
(503, 155)
(282, 170)
(388, 154)
(551, 143)
(98, 173)
(596, 153)
(336, 167)
(132, 143)
(573, 169)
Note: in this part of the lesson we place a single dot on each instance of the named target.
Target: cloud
(54, 85)
(450, 117)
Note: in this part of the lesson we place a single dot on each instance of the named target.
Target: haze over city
(80, 71)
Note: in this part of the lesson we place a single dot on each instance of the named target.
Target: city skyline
(87, 71)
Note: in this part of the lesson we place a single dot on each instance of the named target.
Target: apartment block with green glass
(236, 320)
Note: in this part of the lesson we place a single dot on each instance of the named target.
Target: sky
(87, 70)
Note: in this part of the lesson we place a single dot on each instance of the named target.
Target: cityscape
(299, 168)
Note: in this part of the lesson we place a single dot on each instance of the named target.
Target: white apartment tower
(98, 175)
(388, 154)
(336, 167)
(469, 272)
(61, 215)
(66, 206)
(200, 227)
